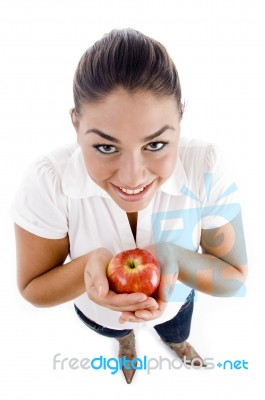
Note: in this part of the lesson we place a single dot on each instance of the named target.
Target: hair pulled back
(125, 58)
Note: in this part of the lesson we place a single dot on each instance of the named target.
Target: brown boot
(127, 349)
(186, 353)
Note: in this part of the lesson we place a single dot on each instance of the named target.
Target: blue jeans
(176, 330)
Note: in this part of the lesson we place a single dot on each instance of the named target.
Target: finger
(129, 317)
(95, 271)
(102, 287)
(148, 315)
(130, 302)
(98, 282)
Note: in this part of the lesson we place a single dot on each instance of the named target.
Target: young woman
(129, 181)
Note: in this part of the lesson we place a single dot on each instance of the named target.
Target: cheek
(97, 169)
(165, 166)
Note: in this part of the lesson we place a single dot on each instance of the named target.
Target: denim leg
(112, 333)
(177, 329)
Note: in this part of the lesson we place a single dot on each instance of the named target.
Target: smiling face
(130, 144)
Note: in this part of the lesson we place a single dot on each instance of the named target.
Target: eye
(156, 146)
(105, 148)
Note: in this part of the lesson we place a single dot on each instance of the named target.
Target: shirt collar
(176, 181)
(77, 184)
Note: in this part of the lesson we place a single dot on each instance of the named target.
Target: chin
(135, 209)
(131, 207)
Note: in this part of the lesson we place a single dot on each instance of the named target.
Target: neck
(132, 217)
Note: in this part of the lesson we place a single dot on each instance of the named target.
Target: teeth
(129, 191)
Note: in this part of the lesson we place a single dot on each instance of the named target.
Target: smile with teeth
(130, 191)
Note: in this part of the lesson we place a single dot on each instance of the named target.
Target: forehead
(123, 108)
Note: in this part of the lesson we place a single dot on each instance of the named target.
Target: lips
(133, 191)
(136, 194)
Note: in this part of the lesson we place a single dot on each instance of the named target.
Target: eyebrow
(146, 139)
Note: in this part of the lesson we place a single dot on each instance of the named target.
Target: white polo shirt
(58, 198)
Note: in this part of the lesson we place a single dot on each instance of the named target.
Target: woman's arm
(222, 268)
(44, 280)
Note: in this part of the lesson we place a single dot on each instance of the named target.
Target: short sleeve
(219, 192)
(40, 206)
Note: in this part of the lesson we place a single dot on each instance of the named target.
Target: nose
(132, 171)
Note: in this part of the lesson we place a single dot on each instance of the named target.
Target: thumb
(103, 286)
(96, 281)
(95, 273)
(167, 285)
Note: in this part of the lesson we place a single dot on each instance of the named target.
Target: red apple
(134, 270)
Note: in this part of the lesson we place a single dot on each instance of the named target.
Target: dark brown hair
(125, 58)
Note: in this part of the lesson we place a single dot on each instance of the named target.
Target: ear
(74, 118)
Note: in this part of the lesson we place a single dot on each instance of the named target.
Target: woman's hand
(169, 275)
(97, 287)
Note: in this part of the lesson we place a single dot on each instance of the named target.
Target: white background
(218, 48)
